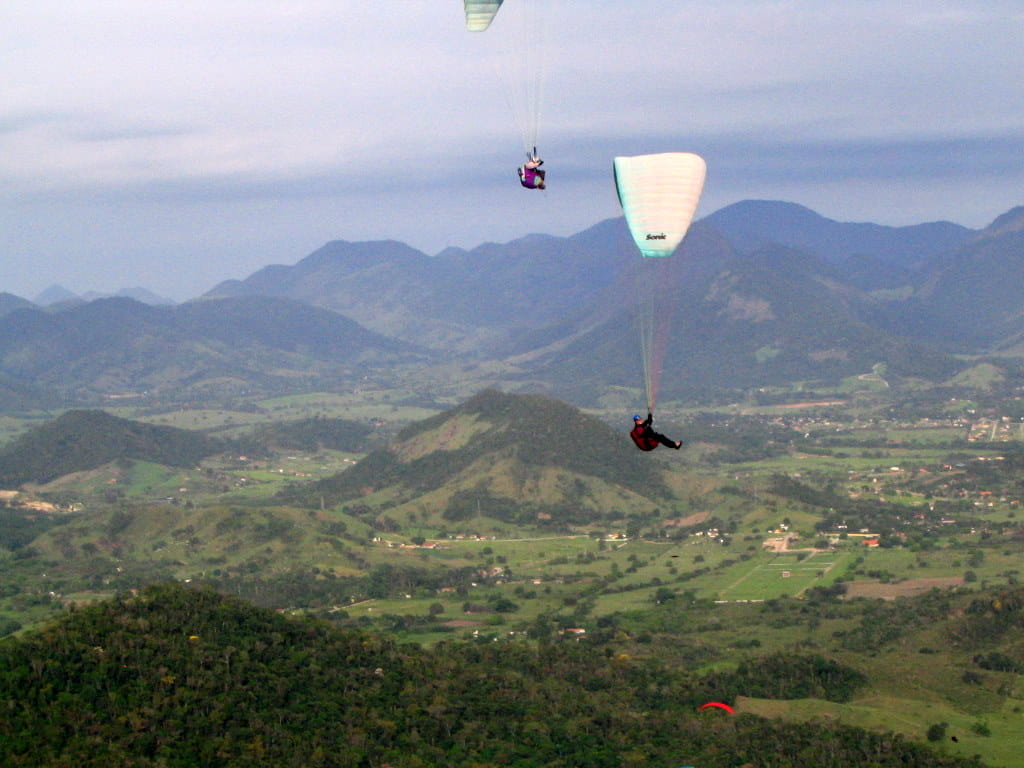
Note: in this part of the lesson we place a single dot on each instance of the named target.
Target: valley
(813, 510)
(835, 551)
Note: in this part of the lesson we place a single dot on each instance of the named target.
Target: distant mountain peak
(340, 251)
(753, 209)
(751, 225)
(1009, 222)
(54, 295)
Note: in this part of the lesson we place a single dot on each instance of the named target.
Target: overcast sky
(172, 144)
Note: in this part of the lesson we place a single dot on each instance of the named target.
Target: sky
(173, 144)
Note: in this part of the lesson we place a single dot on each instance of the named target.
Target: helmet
(637, 417)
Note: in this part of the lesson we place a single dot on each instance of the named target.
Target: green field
(773, 575)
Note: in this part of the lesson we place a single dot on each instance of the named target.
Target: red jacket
(641, 434)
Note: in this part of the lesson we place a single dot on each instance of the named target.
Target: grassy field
(775, 575)
(912, 718)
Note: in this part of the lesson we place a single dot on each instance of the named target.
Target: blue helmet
(637, 417)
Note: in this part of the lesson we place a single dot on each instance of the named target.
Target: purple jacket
(529, 177)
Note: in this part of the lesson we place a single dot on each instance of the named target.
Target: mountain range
(121, 347)
(764, 293)
(761, 293)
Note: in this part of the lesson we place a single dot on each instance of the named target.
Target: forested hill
(311, 434)
(178, 676)
(506, 456)
(86, 439)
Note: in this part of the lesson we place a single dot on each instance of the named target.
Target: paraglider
(659, 195)
(718, 705)
(516, 47)
(530, 175)
(646, 438)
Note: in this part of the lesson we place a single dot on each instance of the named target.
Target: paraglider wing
(659, 195)
(479, 13)
(719, 705)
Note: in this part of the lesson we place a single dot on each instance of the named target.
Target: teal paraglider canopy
(480, 13)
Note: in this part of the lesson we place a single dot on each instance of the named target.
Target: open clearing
(905, 588)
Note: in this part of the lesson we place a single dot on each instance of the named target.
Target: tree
(663, 595)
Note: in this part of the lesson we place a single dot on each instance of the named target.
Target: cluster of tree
(318, 589)
(179, 676)
(18, 526)
(997, 662)
(795, 490)
(883, 622)
(471, 502)
(8, 626)
(784, 676)
(991, 619)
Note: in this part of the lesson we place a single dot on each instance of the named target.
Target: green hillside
(515, 458)
(180, 677)
(736, 323)
(86, 439)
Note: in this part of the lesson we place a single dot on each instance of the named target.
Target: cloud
(242, 130)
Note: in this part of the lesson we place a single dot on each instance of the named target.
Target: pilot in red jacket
(646, 438)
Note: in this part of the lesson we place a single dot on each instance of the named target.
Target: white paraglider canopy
(659, 195)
